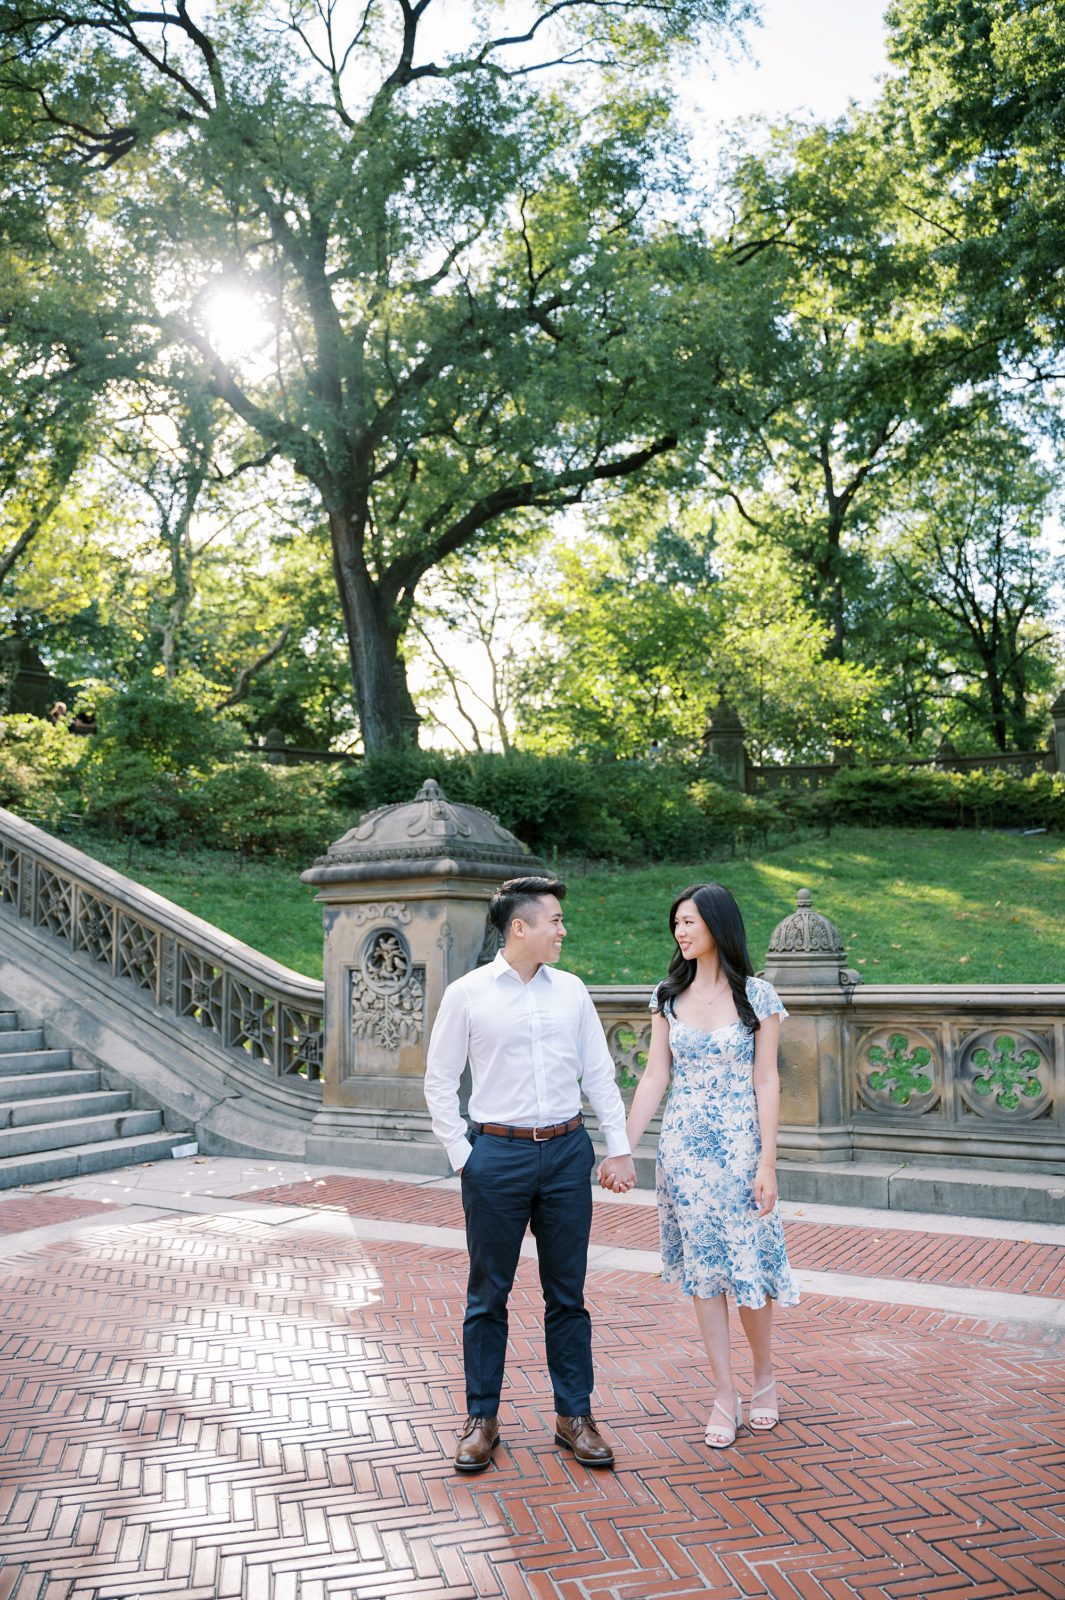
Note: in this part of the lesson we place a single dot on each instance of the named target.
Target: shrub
(173, 725)
(261, 810)
(926, 797)
(568, 805)
(38, 763)
(126, 793)
(891, 797)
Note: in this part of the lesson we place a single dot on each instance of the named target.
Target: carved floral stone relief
(388, 992)
(380, 911)
(899, 1071)
(1006, 1073)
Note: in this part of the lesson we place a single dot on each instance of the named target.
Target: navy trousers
(507, 1186)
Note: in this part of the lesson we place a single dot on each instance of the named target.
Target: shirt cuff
(459, 1153)
(617, 1144)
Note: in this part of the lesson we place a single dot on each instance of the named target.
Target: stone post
(723, 740)
(946, 755)
(404, 897)
(1057, 713)
(805, 961)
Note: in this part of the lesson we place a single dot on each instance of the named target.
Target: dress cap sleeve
(764, 999)
(653, 1004)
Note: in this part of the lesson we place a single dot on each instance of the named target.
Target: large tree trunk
(386, 711)
(997, 696)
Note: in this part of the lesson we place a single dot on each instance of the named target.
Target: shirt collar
(501, 966)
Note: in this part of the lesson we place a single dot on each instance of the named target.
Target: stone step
(28, 1086)
(60, 1108)
(951, 1191)
(8, 1021)
(79, 1160)
(21, 1039)
(34, 1061)
(78, 1131)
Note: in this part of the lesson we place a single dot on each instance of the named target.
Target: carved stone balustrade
(212, 1030)
(921, 1072)
(233, 1044)
(404, 896)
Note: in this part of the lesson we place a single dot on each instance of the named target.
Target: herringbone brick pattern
(211, 1409)
(1008, 1265)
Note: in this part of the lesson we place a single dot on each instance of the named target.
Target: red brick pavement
(20, 1212)
(1009, 1265)
(213, 1408)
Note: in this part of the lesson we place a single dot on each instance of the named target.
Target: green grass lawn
(916, 905)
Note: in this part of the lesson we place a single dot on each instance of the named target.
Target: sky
(808, 55)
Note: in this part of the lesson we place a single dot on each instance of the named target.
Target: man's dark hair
(511, 898)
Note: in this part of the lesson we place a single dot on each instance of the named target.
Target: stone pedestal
(1057, 714)
(805, 962)
(723, 740)
(404, 896)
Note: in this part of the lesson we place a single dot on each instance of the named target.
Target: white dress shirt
(532, 1048)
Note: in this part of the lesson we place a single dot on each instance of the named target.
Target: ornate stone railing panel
(626, 1021)
(255, 1010)
(939, 1070)
(970, 1065)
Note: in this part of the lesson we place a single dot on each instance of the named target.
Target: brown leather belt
(552, 1131)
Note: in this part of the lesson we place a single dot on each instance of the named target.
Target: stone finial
(725, 719)
(805, 948)
(427, 835)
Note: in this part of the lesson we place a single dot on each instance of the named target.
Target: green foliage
(165, 767)
(912, 905)
(925, 797)
(263, 810)
(980, 100)
(568, 805)
(629, 622)
(475, 314)
(173, 725)
(38, 767)
(645, 632)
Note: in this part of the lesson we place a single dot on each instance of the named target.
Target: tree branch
(240, 690)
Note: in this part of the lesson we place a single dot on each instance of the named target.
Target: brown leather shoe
(581, 1435)
(477, 1439)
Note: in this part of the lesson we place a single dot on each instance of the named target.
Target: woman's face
(691, 932)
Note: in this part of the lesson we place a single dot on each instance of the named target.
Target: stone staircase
(58, 1121)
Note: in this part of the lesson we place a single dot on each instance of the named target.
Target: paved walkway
(227, 1378)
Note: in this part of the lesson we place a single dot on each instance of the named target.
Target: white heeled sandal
(724, 1433)
(763, 1417)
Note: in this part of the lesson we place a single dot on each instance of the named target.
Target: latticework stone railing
(261, 1013)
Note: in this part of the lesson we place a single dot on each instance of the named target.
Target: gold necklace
(710, 998)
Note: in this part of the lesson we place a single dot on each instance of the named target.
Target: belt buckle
(539, 1138)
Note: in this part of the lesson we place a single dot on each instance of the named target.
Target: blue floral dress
(708, 1150)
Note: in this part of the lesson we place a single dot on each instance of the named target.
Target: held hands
(765, 1188)
(617, 1173)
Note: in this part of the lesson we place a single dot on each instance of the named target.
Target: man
(533, 1041)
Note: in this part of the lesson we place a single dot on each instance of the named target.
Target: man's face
(539, 931)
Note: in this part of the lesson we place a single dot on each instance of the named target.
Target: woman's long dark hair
(718, 909)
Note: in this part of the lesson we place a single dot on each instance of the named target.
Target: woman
(717, 1027)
